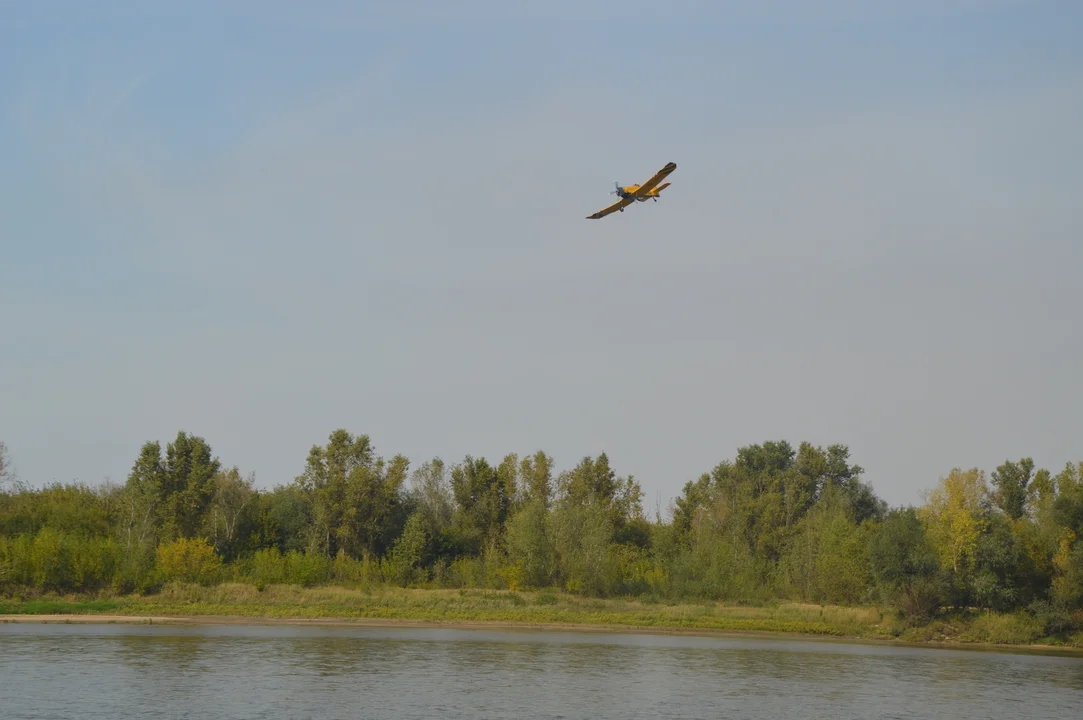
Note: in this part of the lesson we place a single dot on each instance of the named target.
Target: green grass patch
(59, 607)
(544, 608)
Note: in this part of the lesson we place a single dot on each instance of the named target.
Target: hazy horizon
(260, 223)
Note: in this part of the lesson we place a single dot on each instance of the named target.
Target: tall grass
(445, 605)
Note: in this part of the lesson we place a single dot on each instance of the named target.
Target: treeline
(774, 522)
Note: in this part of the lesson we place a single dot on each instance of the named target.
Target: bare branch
(8, 476)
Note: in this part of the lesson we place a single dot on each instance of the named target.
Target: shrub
(190, 560)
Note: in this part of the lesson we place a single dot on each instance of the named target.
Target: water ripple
(272, 672)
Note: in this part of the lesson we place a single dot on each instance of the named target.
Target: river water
(276, 671)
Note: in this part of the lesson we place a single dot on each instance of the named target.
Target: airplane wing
(656, 178)
(622, 203)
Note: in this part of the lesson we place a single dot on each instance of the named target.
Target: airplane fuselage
(629, 191)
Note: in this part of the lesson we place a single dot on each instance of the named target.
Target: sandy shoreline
(106, 619)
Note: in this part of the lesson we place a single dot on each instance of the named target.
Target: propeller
(618, 191)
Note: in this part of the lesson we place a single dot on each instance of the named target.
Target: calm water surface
(227, 672)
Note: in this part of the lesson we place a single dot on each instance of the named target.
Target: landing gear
(656, 199)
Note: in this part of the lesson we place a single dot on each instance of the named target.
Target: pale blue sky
(258, 223)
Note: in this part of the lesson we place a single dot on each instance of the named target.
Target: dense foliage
(774, 522)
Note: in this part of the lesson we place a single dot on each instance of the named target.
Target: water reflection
(180, 654)
(295, 672)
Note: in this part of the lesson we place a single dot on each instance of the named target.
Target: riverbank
(239, 603)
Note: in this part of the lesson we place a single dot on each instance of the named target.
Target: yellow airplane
(631, 193)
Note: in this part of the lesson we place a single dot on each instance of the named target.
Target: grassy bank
(541, 609)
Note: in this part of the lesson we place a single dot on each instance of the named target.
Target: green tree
(481, 495)
(354, 496)
(324, 484)
(765, 492)
(1067, 587)
(1067, 584)
(1068, 505)
(1011, 481)
(582, 535)
(176, 491)
(536, 473)
(593, 482)
(407, 551)
(713, 558)
(435, 503)
(771, 458)
(828, 553)
(1042, 488)
(283, 519)
(377, 508)
(187, 485)
(530, 543)
(231, 507)
(803, 483)
(1000, 563)
(142, 499)
(693, 498)
(508, 474)
(432, 494)
(905, 564)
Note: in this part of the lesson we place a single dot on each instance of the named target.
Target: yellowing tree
(1068, 583)
(952, 516)
(189, 560)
